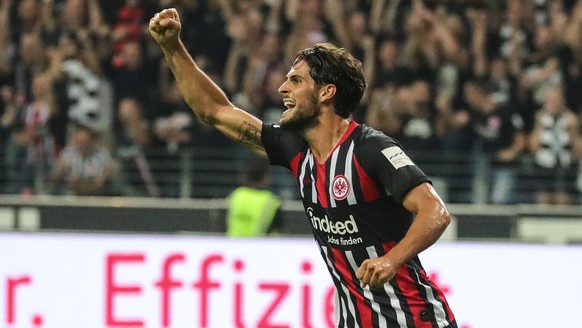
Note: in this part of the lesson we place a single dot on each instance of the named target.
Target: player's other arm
(432, 218)
(203, 96)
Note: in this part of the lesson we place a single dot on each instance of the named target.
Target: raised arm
(203, 96)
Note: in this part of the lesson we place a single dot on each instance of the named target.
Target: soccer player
(360, 190)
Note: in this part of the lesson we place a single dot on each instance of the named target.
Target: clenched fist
(376, 272)
(165, 27)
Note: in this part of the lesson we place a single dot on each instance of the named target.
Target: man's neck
(324, 136)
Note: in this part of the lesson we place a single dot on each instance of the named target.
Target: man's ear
(327, 92)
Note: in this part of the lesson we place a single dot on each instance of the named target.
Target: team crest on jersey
(340, 187)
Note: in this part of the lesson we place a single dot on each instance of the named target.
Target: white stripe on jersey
(439, 310)
(348, 174)
(367, 293)
(313, 189)
(346, 292)
(345, 313)
(332, 175)
(302, 175)
(394, 301)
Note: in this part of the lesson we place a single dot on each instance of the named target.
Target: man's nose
(283, 89)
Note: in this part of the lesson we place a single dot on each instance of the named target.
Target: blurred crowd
(85, 94)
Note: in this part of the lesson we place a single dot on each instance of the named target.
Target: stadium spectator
(84, 167)
(209, 20)
(6, 43)
(134, 136)
(568, 25)
(387, 17)
(258, 64)
(33, 146)
(85, 96)
(173, 124)
(81, 16)
(272, 105)
(173, 130)
(387, 68)
(134, 74)
(17, 178)
(8, 117)
(130, 25)
(33, 58)
(543, 69)
(405, 112)
(514, 33)
(420, 49)
(555, 143)
(452, 122)
(314, 21)
(360, 41)
(498, 136)
(253, 210)
(28, 18)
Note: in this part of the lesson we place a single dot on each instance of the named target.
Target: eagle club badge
(340, 187)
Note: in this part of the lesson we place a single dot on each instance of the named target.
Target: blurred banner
(68, 280)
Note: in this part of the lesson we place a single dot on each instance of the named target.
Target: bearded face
(300, 97)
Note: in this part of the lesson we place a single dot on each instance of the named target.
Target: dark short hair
(329, 64)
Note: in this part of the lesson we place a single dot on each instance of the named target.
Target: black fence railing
(213, 172)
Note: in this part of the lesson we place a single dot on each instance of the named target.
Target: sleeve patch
(397, 157)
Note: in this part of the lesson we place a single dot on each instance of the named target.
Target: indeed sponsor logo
(326, 225)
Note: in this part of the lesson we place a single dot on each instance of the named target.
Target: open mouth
(290, 104)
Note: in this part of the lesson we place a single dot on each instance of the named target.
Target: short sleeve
(386, 161)
(281, 145)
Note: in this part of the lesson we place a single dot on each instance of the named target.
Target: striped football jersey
(353, 203)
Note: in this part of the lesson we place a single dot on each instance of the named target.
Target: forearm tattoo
(250, 136)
